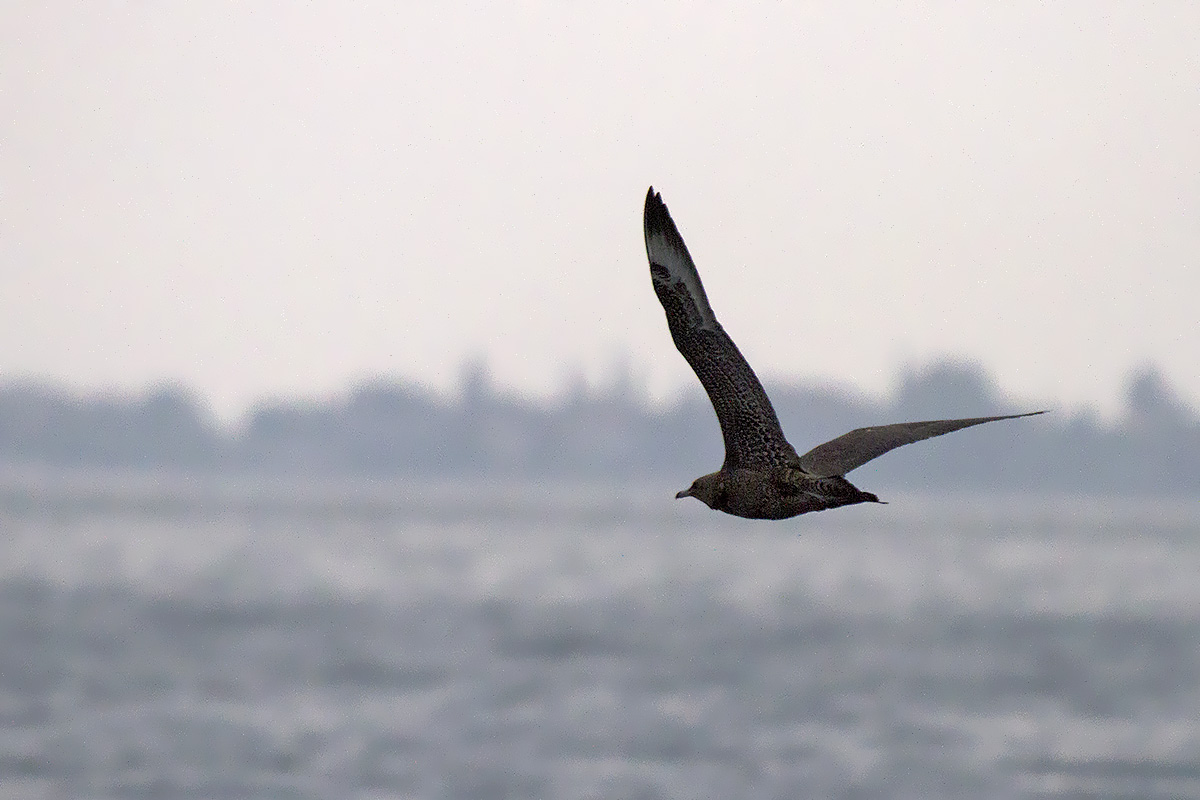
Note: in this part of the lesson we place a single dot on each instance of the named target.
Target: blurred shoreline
(397, 434)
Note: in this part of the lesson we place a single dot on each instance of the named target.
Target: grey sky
(280, 197)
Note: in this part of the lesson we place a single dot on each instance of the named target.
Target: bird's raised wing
(852, 450)
(749, 426)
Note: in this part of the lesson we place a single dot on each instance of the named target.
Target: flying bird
(762, 477)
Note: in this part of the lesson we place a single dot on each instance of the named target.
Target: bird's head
(708, 489)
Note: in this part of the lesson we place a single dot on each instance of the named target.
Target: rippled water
(474, 642)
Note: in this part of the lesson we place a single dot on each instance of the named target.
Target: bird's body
(762, 476)
(774, 492)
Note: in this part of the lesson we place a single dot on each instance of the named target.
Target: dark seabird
(762, 477)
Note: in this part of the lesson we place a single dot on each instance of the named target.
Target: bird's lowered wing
(749, 426)
(852, 450)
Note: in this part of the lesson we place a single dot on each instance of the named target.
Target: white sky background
(277, 198)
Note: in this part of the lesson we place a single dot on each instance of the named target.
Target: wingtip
(655, 216)
(654, 199)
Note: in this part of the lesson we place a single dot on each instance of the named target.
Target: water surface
(588, 642)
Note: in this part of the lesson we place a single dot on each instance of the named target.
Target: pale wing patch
(664, 252)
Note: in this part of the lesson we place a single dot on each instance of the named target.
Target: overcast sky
(267, 198)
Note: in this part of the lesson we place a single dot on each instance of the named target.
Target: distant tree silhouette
(1163, 438)
(166, 428)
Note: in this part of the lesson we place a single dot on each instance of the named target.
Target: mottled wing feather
(852, 450)
(753, 437)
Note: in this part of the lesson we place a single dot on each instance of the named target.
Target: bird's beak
(684, 493)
